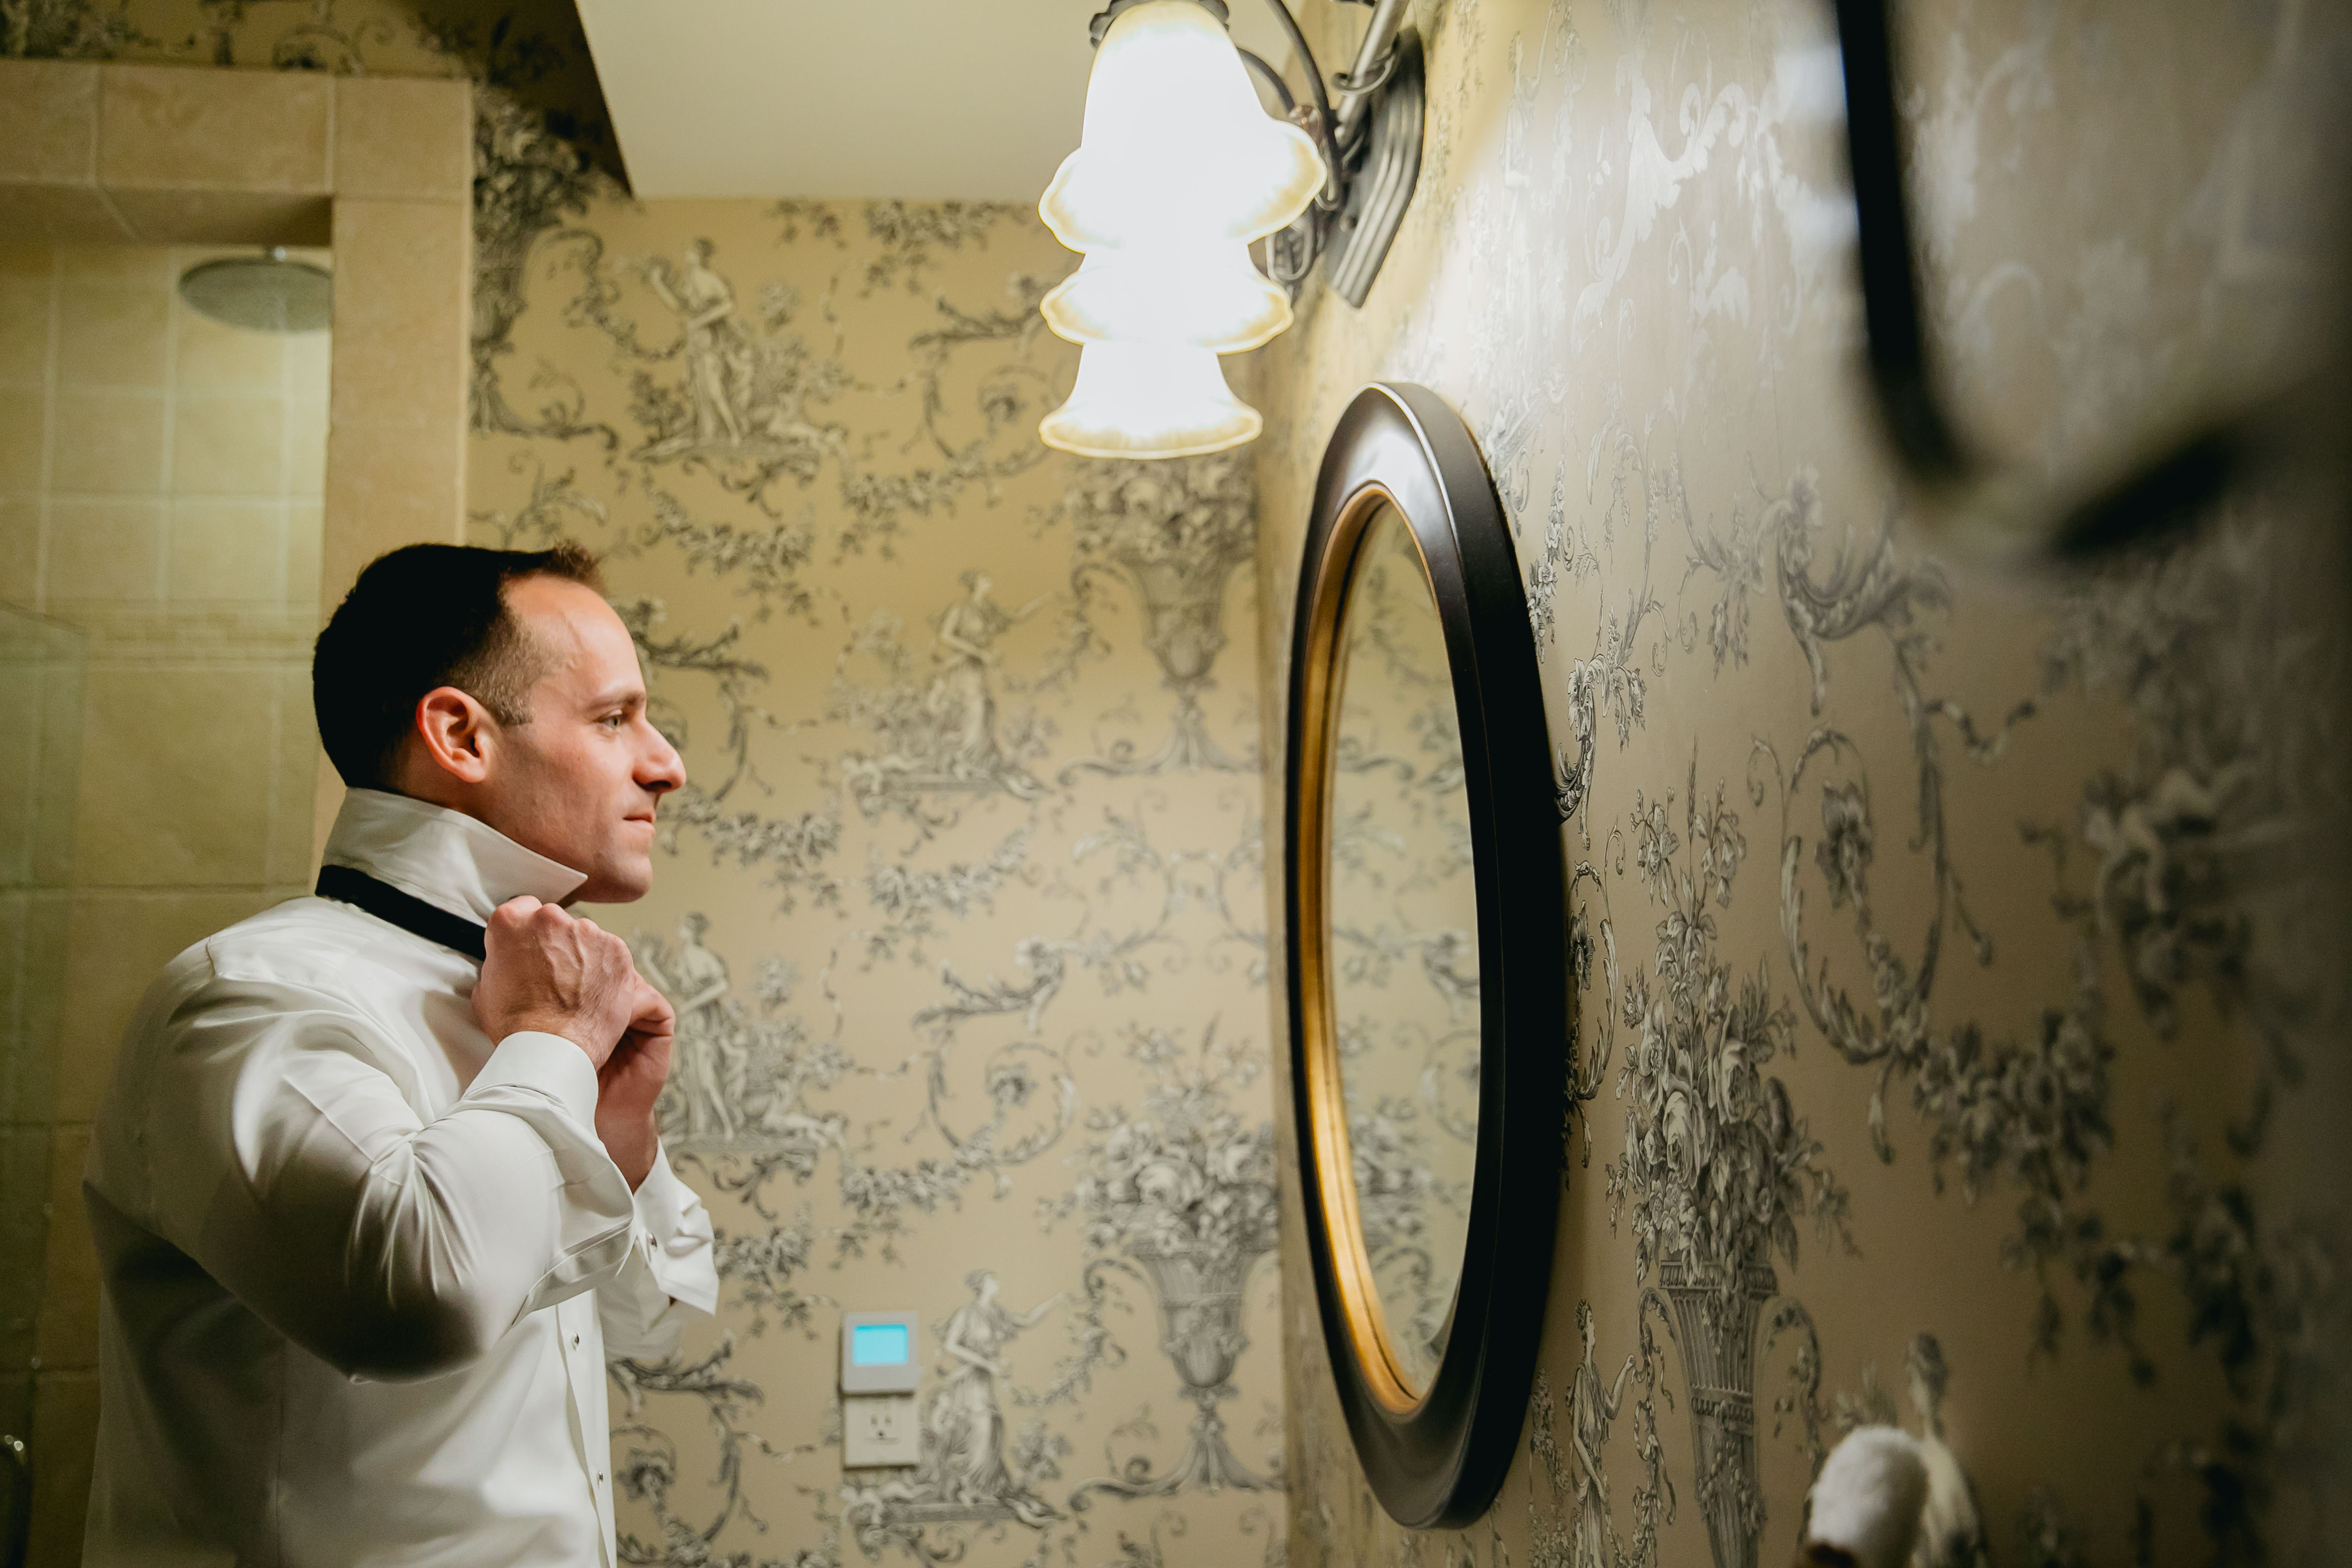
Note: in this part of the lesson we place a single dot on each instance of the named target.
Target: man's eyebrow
(618, 697)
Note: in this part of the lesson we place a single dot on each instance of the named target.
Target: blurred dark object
(2160, 497)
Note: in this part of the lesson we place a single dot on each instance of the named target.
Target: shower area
(174, 511)
(162, 451)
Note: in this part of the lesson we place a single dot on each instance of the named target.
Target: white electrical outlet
(879, 1429)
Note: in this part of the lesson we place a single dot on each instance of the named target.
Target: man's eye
(614, 720)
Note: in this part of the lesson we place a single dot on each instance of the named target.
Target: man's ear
(456, 733)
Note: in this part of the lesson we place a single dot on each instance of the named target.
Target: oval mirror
(1425, 935)
(1404, 946)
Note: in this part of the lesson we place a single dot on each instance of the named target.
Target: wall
(964, 910)
(1950, 947)
(160, 497)
(964, 914)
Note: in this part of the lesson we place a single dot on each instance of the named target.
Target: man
(378, 1182)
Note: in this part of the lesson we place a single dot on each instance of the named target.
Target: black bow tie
(411, 914)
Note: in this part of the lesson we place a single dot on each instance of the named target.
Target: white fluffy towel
(1865, 1507)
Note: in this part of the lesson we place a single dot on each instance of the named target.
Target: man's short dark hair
(420, 617)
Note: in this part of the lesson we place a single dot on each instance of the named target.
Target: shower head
(269, 293)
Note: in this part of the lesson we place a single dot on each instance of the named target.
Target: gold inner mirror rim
(1334, 1166)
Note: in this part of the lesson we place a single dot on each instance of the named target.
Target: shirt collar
(446, 858)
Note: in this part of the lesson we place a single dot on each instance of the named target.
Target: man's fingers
(620, 953)
(514, 914)
(652, 1008)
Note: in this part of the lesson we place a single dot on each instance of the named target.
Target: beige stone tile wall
(170, 523)
(152, 458)
(160, 503)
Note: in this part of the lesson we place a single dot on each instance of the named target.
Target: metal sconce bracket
(2164, 494)
(1369, 136)
(1383, 166)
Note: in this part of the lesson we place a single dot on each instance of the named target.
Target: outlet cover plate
(879, 1429)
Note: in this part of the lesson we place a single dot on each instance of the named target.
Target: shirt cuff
(548, 1063)
(677, 1236)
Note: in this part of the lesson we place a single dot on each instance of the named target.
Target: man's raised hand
(629, 1083)
(557, 974)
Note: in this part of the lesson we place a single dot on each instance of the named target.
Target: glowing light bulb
(1148, 399)
(1199, 296)
(1177, 149)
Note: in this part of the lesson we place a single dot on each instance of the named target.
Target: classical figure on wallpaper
(716, 345)
(964, 1477)
(743, 1068)
(1950, 1533)
(965, 651)
(711, 1068)
(739, 403)
(1173, 534)
(1182, 1198)
(1572, 1520)
(966, 1427)
(946, 735)
(1592, 1411)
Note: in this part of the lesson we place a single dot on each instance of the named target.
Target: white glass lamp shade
(1148, 399)
(1176, 148)
(1206, 297)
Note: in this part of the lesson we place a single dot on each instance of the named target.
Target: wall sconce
(1179, 170)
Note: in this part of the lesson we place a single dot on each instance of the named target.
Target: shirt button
(575, 1342)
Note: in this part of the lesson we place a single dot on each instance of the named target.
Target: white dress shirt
(361, 1267)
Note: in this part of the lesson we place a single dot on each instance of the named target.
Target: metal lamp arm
(1265, 73)
(1325, 128)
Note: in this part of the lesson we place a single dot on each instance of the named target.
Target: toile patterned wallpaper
(1949, 952)
(1951, 947)
(964, 922)
(963, 912)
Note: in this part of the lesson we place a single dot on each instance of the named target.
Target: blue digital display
(878, 1344)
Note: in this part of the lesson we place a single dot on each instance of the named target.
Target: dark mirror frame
(1436, 1457)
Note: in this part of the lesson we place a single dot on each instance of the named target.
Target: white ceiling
(973, 98)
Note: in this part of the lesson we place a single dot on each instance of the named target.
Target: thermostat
(877, 1353)
(879, 1378)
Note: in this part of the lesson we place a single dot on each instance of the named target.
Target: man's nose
(663, 769)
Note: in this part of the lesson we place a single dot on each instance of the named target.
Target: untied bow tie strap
(411, 914)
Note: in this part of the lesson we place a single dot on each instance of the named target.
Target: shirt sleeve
(670, 1269)
(284, 1156)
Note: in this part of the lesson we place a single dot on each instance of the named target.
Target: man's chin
(622, 884)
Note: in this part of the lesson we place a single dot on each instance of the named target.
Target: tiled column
(169, 846)
(403, 261)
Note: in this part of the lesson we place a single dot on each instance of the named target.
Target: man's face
(578, 782)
